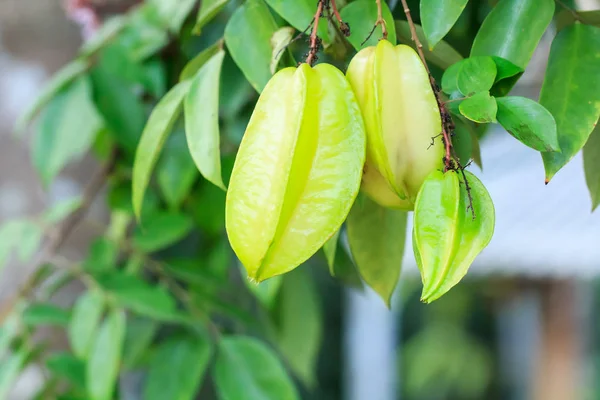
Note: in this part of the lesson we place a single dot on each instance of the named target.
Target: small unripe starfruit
(298, 170)
(447, 233)
(402, 119)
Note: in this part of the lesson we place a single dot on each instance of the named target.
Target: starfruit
(298, 170)
(402, 119)
(447, 233)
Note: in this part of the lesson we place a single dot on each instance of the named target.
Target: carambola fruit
(447, 234)
(298, 170)
(402, 119)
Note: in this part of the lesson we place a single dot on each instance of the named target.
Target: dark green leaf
(465, 129)
(329, 248)
(571, 91)
(344, 268)
(480, 108)
(66, 366)
(161, 230)
(208, 10)
(202, 120)
(61, 79)
(300, 325)
(109, 30)
(476, 74)
(153, 138)
(146, 32)
(443, 55)
(591, 163)
(567, 17)
(193, 66)
(463, 145)
(123, 112)
(177, 369)
(248, 370)
(438, 17)
(86, 316)
(140, 334)
(513, 29)
(266, 291)
(505, 68)
(45, 314)
(66, 130)
(300, 13)
(376, 235)
(176, 172)
(236, 91)
(139, 296)
(248, 37)
(102, 369)
(529, 122)
(361, 15)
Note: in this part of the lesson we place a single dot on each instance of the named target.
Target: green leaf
(61, 210)
(173, 12)
(29, 242)
(62, 78)
(480, 108)
(10, 329)
(571, 91)
(464, 130)
(66, 130)
(443, 55)
(140, 334)
(66, 366)
(102, 369)
(45, 314)
(175, 171)
(438, 17)
(361, 16)
(344, 268)
(85, 319)
(528, 122)
(376, 235)
(10, 367)
(177, 369)
(102, 256)
(202, 120)
(300, 325)
(300, 13)
(139, 296)
(476, 74)
(20, 235)
(279, 41)
(153, 138)
(123, 112)
(103, 36)
(248, 38)
(329, 248)
(193, 66)
(591, 155)
(161, 230)
(248, 370)
(508, 74)
(462, 144)
(513, 29)
(450, 80)
(208, 10)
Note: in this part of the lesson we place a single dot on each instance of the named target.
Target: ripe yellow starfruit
(298, 170)
(447, 234)
(401, 117)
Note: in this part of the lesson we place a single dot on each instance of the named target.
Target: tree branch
(315, 41)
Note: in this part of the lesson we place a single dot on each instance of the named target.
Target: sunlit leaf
(438, 17)
(481, 108)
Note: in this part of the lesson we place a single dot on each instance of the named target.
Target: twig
(315, 42)
(380, 21)
(446, 118)
(344, 27)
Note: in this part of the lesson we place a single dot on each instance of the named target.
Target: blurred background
(523, 325)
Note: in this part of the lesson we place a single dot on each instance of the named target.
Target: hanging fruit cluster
(317, 136)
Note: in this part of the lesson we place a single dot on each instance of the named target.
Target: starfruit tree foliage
(238, 138)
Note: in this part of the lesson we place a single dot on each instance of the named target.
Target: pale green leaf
(10, 367)
(208, 10)
(480, 108)
(153, 138)
(85, 318)
(193, 66)
(279, 41)
(361, 16)
(202, 120)
(438, 17)
(176, 172)
(591, 165)
(61, 210)
(45, 314)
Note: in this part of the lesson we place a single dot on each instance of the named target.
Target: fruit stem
(447, 124)
(315, 42)
(381, 21)
(344, 27)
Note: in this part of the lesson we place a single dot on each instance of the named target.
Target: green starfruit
(298, 170)
(402, 119)
(447, 233)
